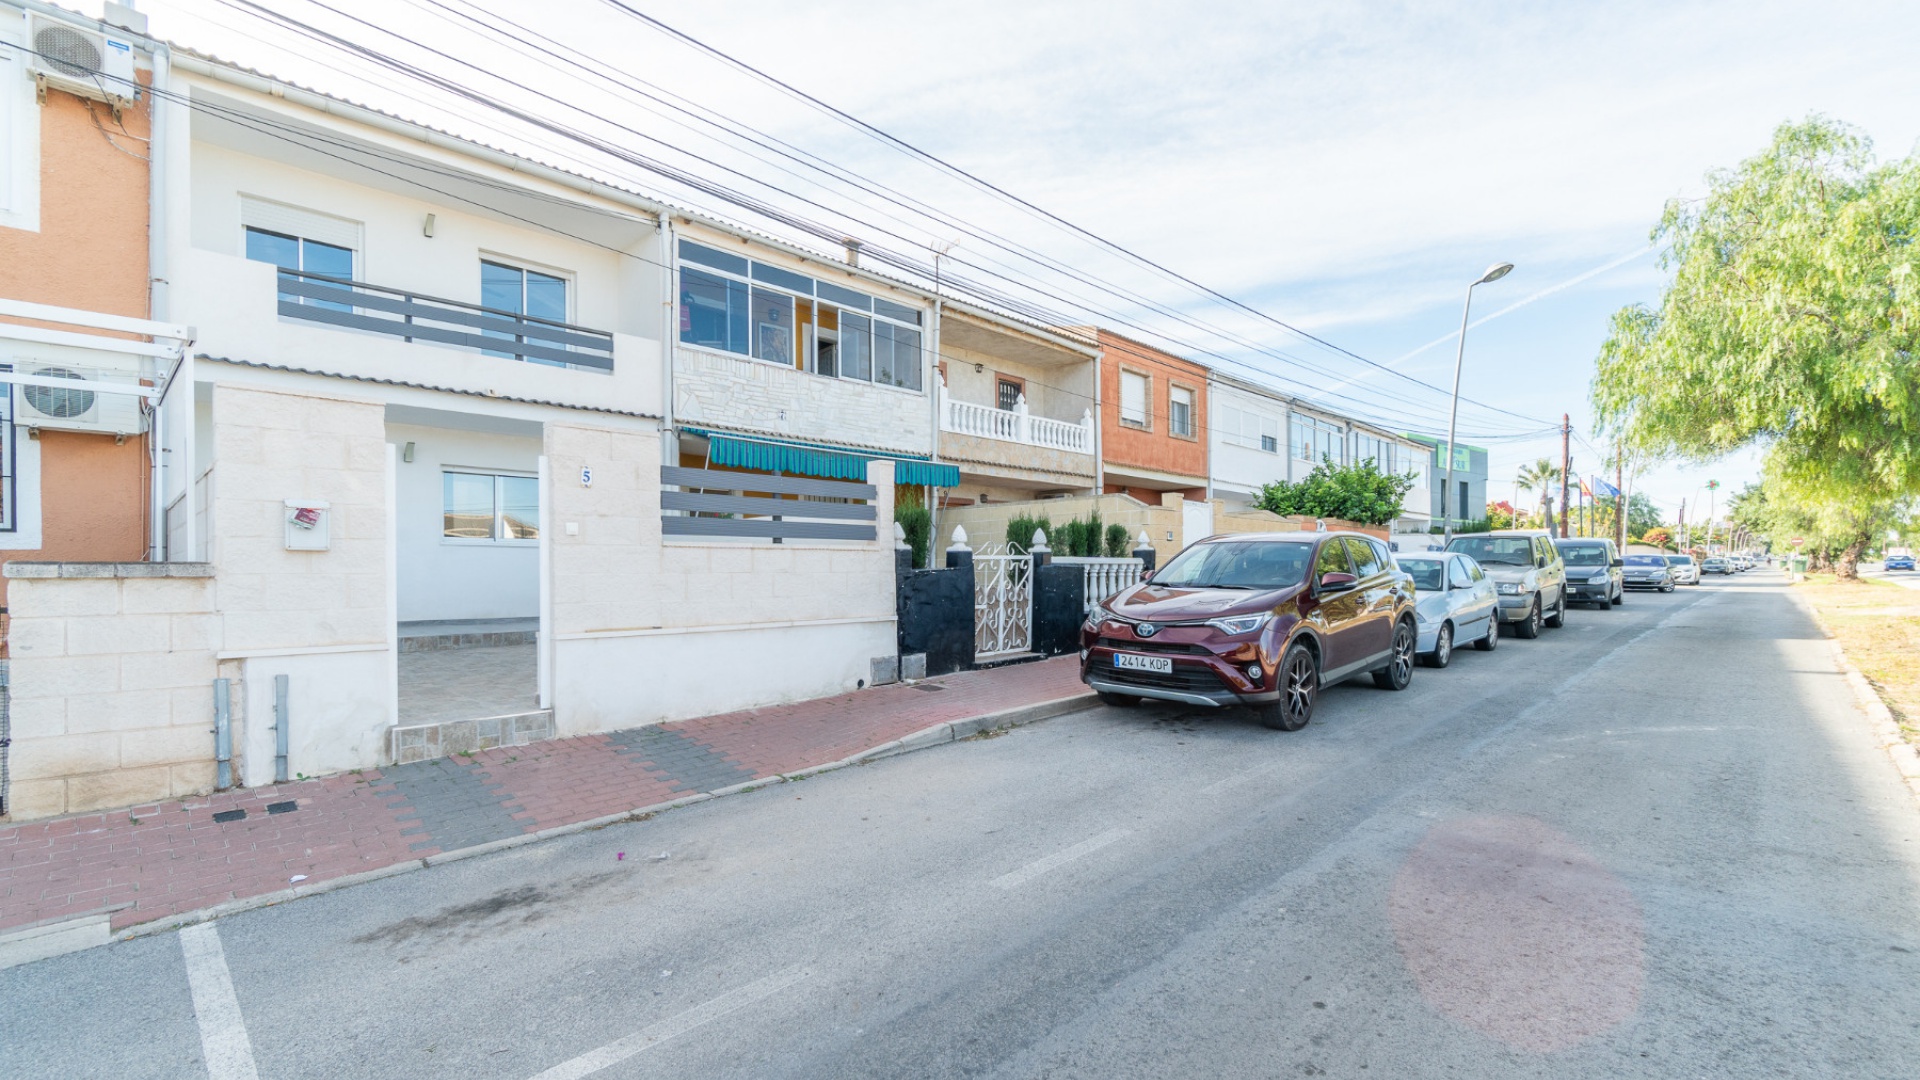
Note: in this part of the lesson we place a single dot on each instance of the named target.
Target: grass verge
(1878, 624)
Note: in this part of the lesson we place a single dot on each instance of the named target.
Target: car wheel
(1619, 597)
(1492, 640)
(1668, 588)
(1529, 627)
(1442, 653)
(1118, 701)
(1559, 617)
(1399, 670)
(1299, 679)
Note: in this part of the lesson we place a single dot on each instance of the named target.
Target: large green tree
(1359, 493)
(1791, 323)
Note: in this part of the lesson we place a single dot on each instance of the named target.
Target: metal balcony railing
(414, 317)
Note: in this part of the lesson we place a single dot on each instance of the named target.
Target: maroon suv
(1260, 619)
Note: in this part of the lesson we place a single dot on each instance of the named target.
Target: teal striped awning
(808, 459)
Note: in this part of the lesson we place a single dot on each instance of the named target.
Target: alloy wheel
(1298, 684)
(1443, 646)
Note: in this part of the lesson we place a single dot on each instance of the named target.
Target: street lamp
(1494, 273)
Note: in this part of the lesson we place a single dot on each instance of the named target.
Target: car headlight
(1240, 624)
(1599, 579)
(1097, 615)
(1509, 588)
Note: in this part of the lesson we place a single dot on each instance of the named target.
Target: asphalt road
(1656, 843)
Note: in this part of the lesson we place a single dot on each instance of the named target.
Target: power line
(909, 265)
(954, 170)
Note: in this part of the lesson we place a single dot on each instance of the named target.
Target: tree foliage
(1359, 493)
(1791, 323)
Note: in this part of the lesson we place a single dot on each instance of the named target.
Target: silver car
(1454, 602)
(1527, 573)
(1685, 571)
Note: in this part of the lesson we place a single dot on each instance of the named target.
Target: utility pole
(1566, 463)
(1683, 525)
(1620, 495)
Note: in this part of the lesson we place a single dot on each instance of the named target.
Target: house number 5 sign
(586, 476)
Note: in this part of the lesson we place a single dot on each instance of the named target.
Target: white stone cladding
(734, 392)
(649, 629)
(112, 687)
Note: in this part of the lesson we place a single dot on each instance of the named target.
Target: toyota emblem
(1146, 629)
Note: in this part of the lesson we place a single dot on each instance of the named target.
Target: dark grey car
(1594, 571)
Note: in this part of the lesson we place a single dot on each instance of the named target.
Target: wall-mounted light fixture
(426, 230)
(406, 453)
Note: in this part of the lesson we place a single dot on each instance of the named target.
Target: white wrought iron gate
(1002, 603)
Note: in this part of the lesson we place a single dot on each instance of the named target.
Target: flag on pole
(1606, 489)
(1585, 491)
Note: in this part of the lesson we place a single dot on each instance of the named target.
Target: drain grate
(287, 807)
(225, 816)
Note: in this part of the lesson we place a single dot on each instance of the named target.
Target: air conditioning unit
(89, 405)
(80, 61)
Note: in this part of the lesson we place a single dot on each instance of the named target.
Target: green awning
(838, 463)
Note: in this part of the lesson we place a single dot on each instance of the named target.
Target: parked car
(1454, 602)
(1527, 573)
(1898, 562)
(1685, 571)
(1649, 572)
(1593, 571)
(1717, 564)
(1261, 619)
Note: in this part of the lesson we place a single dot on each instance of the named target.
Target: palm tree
(1541, 476)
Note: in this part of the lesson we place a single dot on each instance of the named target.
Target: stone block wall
(111, 681)
(271, 447)
(734, 392)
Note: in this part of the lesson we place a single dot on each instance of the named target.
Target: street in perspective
(590, 543)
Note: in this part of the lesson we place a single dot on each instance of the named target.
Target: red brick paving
(165, 859)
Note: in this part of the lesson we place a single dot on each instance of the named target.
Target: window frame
(773, 279)
(499, 476)
(1193, 412)
(1000, 380)
(524, 268)
(1146, 399)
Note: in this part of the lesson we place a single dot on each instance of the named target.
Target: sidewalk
(163, 860)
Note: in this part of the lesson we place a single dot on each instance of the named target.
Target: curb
(1886, 729)
(42, 942)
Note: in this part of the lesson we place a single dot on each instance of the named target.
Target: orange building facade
(73, 234)
(1153, 421)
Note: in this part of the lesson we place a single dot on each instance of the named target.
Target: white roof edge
(1295, 404)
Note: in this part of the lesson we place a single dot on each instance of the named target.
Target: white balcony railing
(1015, 425)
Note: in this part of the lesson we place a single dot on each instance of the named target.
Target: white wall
(647, 628)
(1057, 392)
(1239, 470)
(233, 301)
(449, 579)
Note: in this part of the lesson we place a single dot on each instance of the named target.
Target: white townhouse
(1259, 436)
(434, 474)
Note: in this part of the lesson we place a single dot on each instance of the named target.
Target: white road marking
(223, 1032)
(1060, 858)
(621, 1049)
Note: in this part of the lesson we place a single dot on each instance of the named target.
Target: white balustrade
(1015, 425)
(1104, 576)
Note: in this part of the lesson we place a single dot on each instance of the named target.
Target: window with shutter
(1133, 398)
(1180, 411)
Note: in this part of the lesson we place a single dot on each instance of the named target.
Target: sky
(1335, 169)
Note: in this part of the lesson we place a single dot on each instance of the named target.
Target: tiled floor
(465, 684)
